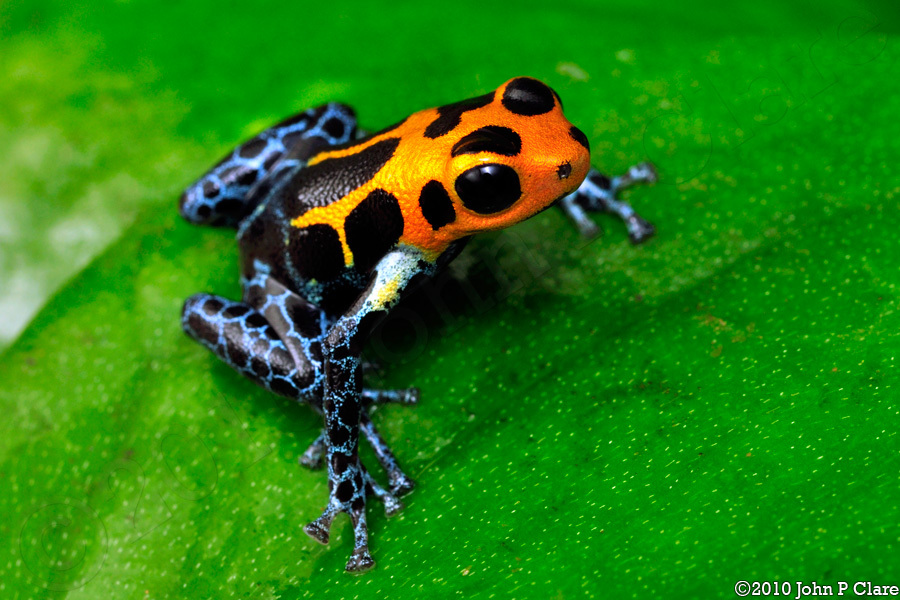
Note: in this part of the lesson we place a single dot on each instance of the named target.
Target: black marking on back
(450, 116)
(437, 208)
(579, 137)
(334, 178)
(528, 97)
(316, 252)
(492, 138)
(372, 228)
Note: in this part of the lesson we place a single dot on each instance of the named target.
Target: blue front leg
(597, 193)
(348, 481)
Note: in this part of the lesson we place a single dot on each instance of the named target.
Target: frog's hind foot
(597, 193)
(243, 338)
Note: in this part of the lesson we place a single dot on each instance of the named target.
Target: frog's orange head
(513, 156)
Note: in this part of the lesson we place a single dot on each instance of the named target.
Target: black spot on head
(579, 137)
(252, 148)
(372, 228)
(316, 252)
(334, 127)
(436, 205)
(528, 97)
(204, 211)
(564, 170)
(493, 138)
(450, 115)
(488, 188)
(332, 179)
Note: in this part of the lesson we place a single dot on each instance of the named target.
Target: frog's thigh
(243, 338)
(226, 193)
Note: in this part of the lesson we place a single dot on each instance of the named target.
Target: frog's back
(311, 260)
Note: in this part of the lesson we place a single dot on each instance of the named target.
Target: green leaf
(596, 419)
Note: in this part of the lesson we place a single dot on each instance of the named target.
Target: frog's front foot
(598, 193)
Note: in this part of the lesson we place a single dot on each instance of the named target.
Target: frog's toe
(370, 366)
(639, 229)
(401, 485)
(360, 561)
(314, 457)
(391, 504)
(319, 529)
(644, 171)
(408, 396)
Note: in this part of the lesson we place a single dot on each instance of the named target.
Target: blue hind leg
(229, 191)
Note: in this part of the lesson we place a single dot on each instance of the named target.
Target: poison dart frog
(334, 225)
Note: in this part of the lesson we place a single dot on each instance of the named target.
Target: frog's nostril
(564, 170)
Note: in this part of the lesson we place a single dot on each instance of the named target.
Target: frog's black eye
(488, 188)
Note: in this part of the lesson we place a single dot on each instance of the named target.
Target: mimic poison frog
(334, 225)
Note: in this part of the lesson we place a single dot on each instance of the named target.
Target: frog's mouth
(551, 205)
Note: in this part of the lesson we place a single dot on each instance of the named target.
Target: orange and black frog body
(334, 225)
